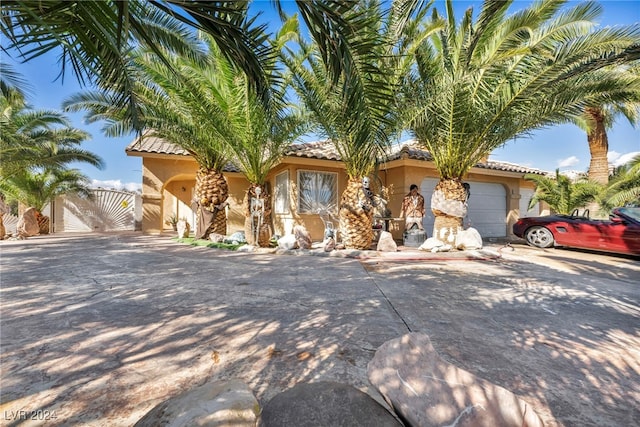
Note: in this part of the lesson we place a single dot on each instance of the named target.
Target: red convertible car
(621, 233)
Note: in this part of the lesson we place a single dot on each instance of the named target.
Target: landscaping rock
(329, 244)
(324, 404)
(216, 237)
(469, 239)
(28, 224)
(302, 237)
(386, 242)
(287, 242)
(222, 403)
(425, 390)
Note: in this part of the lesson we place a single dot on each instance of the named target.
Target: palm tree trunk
(599, 147)
(211, 193)
(257, 216)
(356, 216)
(449, 206)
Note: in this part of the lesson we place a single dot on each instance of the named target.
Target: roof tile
(325, 150)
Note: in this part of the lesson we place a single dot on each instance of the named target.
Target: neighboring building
(312, 176)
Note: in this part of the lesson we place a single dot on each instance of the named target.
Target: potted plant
(172, 220)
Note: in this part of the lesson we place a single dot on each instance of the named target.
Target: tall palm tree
(257, 136)
(37, 188)
(597, 120)
(179, 101)
(356, 110)
(480, 84)
(561, 194)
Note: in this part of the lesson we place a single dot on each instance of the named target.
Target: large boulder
(215, 404)
(28, 224)
(426, 391)
(323, 404)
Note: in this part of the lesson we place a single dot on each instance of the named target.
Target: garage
(487, 207)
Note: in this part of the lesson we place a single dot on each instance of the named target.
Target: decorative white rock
(386, 242)
(222, 403)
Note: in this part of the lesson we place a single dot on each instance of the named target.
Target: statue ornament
(257, 213)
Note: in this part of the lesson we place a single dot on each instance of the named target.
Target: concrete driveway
(98, 329)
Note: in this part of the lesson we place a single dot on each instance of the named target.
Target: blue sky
(563, 147)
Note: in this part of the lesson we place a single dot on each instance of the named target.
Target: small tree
(561, 194)
(37, 189)
(624, 186)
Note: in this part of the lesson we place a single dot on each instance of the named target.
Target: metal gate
(107, 210)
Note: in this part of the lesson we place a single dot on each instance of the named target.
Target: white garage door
(487, 208)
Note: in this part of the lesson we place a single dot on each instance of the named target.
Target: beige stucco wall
(283, 223)
(168, 187)
(168, 183)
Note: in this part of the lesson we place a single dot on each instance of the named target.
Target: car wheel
(539, 237)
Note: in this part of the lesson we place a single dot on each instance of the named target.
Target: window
(318, 191)
(281, 196)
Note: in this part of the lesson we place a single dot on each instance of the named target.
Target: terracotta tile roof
(325, 150)
(411, 150)
(151, 144)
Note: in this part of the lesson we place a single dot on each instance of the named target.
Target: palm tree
(598, 120)
(212, 112)
(33, 140)
(37, 188)
(356, 110)
(179, 103)
(94, 37)
(561, 194)
(257, 136)
(480, 84)
(37, 138)
(624, 187)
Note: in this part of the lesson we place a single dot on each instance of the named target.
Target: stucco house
(312, 176)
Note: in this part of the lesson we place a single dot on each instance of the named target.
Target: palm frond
(479, 85)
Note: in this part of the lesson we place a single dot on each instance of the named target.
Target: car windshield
(631, 212)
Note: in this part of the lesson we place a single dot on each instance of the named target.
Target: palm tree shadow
(106, 337)
(562, 343)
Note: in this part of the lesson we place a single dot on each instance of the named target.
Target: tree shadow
(565, 341)
(104, 327)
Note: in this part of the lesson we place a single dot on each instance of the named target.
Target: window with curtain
(281, 193)
(317, 191)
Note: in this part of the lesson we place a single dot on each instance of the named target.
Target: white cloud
(116, 184)
(622, 159)
(568, 162)
(612, 156)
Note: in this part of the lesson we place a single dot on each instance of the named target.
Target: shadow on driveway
(98, 329)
